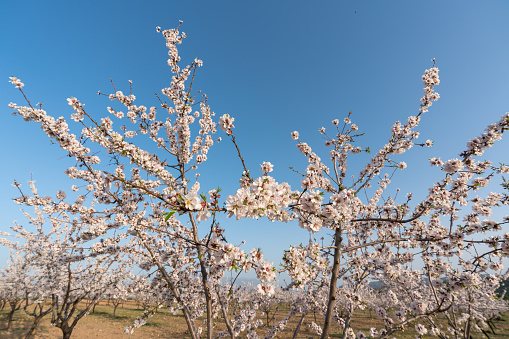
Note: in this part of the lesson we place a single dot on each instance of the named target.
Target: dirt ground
(102, 324)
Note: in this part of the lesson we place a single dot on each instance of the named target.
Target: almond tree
(61, 273)
(378, 237)
(79, 285)
(15, 284)
(120, 292)
(157, 208)
(151, 214)
(22, 278)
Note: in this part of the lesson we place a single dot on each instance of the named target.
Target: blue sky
(276, 66)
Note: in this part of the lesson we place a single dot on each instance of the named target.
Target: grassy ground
(102, 324)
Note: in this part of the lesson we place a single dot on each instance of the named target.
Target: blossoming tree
(59, 275)
(145, 204)
(153, 213)
(377, 238)
(15, 285)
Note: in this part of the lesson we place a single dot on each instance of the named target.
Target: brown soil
(102, 324)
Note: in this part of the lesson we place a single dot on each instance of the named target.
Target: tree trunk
(204, 276)
(187, 314)
(224, 309)
(9, 319)
(333, 283)
(489, 322)
(66, 330)
(468, 324)
(37, 319)
(298, 326)
(32, 328)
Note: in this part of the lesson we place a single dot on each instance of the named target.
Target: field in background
(102, 324)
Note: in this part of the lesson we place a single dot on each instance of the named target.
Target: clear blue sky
(276, 66)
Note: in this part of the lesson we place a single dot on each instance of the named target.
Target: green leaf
(168, 215)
